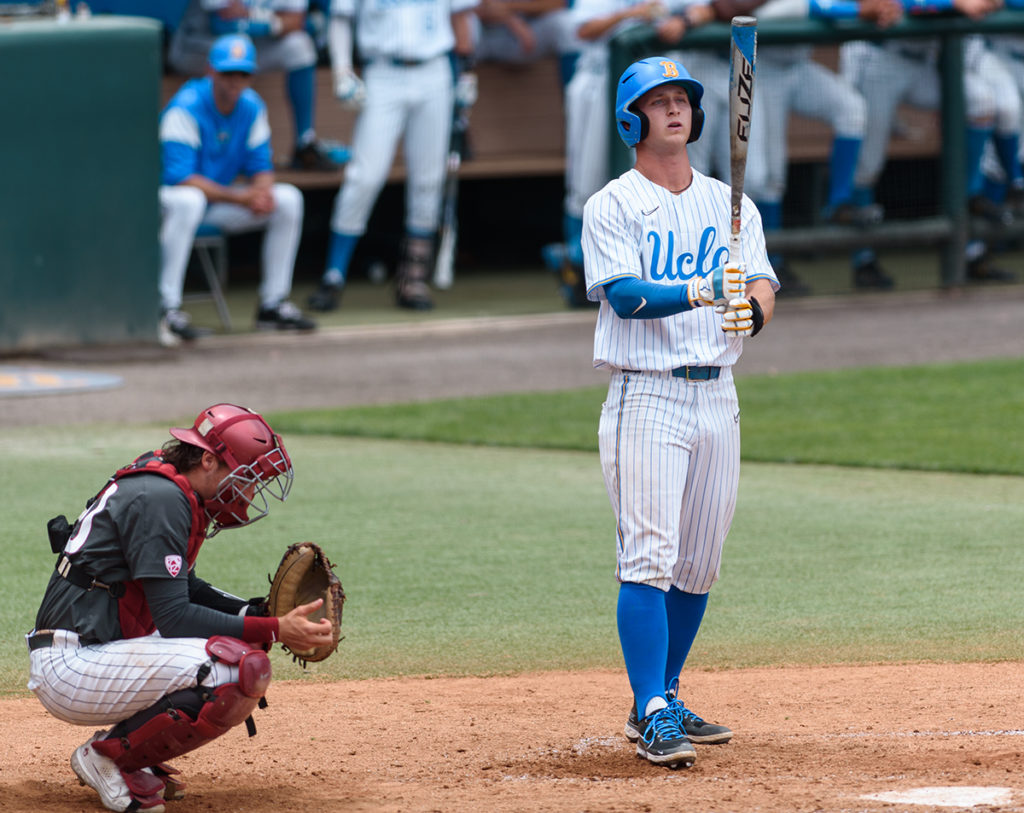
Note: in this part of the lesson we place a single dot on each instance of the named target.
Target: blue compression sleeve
(927, 6)
(835, 9)
(634, 298)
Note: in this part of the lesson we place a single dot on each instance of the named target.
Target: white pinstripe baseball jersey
(636, 228)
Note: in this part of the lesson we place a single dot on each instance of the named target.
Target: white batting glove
(654, 11)
(349, 90)
(738, 319)
(466, 90)
(718, 287)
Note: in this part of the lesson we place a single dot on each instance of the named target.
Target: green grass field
(879, 520)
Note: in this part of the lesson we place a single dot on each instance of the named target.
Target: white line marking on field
(960, 796)
(1012, 732)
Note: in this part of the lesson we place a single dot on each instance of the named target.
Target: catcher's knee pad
(184, 720)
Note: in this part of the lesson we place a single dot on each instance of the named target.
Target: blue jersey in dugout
(197, 139)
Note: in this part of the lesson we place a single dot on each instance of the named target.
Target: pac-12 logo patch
(173, 564)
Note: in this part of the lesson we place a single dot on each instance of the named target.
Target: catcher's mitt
(304, 575)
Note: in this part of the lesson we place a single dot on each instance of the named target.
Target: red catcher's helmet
(253, 451)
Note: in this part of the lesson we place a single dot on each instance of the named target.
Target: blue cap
(233, 52)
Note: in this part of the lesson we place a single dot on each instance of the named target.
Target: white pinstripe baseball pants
(106, 683)
(670, 452)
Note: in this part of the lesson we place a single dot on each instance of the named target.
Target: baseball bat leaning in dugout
(742, 66)
(444, 267)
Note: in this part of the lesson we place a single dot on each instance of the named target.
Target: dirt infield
(806, 740)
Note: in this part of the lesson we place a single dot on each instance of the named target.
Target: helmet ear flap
(645, 125)
(696, 124)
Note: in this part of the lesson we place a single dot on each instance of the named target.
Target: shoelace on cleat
(684, 714)
(665, 725)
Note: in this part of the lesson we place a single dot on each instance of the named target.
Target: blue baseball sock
(339, 255)
(863, 195)
(1008, 150)
(572, 227)
(977, 137)
(301, 95)
(643, 634)
(995, 190)
(842, 165)
(685, 612)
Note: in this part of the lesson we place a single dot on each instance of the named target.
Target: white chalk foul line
(950, 796)
(1010, 732)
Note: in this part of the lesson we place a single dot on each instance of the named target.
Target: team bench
(517, 127)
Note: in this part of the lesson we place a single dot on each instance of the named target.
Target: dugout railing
(949, 230)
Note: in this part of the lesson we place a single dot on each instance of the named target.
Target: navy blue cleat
(662, 740)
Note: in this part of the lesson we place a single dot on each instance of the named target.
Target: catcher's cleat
(138, 790)
(663, 742)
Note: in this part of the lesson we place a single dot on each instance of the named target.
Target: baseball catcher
(128, 639)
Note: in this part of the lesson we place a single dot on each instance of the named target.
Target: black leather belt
(404, 63)
(692, 373)
(697, 373)
(40, 640)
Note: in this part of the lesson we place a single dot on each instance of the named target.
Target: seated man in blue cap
(217, 170)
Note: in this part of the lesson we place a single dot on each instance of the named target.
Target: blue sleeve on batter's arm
(835, 9)
(177, 617)
(634, 298)
(927, 6)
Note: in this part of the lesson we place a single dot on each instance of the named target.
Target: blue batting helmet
(233, 52)
(646, 75)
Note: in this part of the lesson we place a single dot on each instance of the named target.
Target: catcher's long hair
(183, 456)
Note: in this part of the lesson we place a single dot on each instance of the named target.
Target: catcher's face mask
(243, 495)
(259, 465)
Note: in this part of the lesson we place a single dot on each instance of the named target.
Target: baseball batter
(406, 89)
(671, 324)
(128, 636)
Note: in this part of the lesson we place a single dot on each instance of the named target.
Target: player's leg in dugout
(374, 141)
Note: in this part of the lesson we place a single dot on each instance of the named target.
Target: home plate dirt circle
(15, 381)
(952, 796)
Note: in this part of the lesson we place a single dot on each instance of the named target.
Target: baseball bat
(742, 66)
(444, 267)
